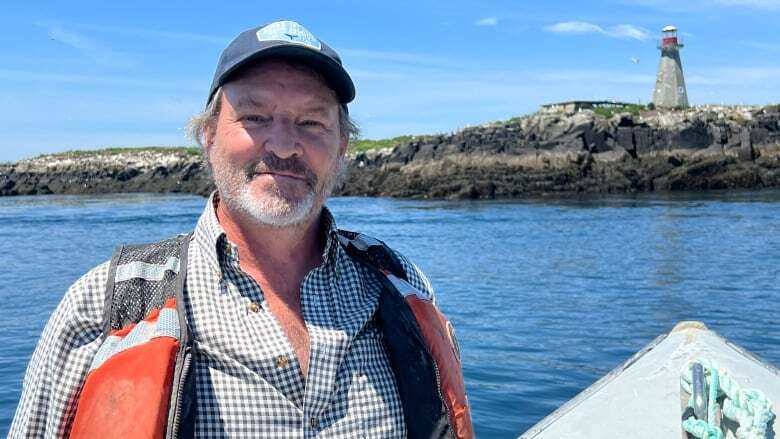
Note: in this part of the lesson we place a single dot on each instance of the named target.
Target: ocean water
(546, 295)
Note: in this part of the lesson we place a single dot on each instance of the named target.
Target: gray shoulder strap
(371, 252)
(141, 278)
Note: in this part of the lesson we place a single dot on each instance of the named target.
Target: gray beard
(272, 208)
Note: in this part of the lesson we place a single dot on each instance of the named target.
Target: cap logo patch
(289, 31)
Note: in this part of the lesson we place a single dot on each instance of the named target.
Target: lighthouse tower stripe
(165, 325)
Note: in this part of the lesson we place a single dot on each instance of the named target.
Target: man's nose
(283, 140)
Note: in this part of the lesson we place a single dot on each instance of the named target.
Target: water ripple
(547, 294)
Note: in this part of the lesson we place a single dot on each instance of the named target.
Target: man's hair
(198, 123)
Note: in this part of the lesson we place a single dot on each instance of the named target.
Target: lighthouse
(670, 89)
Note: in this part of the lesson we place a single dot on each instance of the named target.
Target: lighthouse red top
(669, 38)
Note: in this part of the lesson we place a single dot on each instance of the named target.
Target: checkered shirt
(248, 379)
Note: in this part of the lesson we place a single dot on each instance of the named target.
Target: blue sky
(83, 75)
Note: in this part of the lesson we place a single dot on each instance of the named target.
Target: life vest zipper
(412, 326)
(441, 397)
(177, 391)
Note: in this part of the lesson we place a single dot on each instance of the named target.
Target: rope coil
(750, 408)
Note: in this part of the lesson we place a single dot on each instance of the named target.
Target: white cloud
(89, 47)
(624, 31)
(487, 21)
(574, 27)
(139, 32)
(629, 31)
(28, 76)
(155, 34)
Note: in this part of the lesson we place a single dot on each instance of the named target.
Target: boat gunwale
(548, 420)
(569, 405)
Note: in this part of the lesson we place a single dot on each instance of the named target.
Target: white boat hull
(641, 398)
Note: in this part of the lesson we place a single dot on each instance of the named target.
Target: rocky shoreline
(695, 149)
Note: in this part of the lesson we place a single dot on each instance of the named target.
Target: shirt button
(281, 362)
(314, 423)
(253, 306)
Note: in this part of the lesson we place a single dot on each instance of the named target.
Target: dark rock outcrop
(697, 149)
(148, 171)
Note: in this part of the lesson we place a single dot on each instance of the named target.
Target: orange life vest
(139, 385)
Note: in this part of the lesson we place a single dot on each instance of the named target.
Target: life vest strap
(405, 306)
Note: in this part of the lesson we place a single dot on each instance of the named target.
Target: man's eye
(311, 123)
(255, 118)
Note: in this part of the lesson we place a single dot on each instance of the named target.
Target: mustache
(272, 163)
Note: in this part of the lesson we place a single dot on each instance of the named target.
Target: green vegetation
(515, 120)
(361, 145)
(114, 151)
(356, 145)
(608, 112)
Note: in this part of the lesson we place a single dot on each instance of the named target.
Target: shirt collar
(211, 237)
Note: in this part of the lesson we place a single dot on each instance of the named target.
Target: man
(281, 325)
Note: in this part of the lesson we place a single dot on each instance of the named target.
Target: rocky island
(698, 148)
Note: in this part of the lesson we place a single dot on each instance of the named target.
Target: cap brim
(333, 73)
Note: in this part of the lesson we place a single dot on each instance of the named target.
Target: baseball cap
(285, 39)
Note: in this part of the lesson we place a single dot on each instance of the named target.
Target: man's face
(276, 150)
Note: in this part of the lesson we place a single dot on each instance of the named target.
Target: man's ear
(209, 132)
